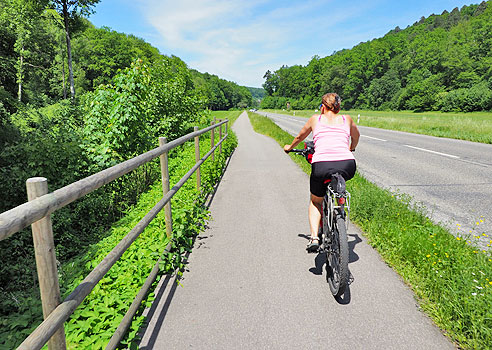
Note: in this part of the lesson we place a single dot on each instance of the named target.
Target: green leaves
(411, 69)
(220, 94)
(94, 322)
(117, 125)
(143, 102)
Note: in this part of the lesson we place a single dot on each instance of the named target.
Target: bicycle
(333, 228)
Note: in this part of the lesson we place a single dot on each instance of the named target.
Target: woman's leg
(315, 209)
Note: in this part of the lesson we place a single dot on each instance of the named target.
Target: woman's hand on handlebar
(287, 148)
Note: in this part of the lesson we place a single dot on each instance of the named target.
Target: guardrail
(37, 212)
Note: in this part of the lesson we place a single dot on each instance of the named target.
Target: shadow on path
(210, 197)
(160, 320)
(320, 261)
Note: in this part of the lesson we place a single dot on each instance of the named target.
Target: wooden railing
(37, 212)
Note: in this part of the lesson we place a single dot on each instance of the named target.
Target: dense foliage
(94, 322)
(222, 94)
(440, 63)
(66, 142)
(127, 95)
(258, 94)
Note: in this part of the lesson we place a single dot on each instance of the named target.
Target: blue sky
(240, 40)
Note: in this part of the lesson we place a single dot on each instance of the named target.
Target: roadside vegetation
(96, 319)
(451, 279)
(231, 115)
(473, 126)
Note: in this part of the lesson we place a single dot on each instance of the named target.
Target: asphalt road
(451, 178)
(251, 285)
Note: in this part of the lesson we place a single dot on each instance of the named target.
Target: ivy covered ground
(96, 319)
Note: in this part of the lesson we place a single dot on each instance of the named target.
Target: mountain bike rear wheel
(338, 257)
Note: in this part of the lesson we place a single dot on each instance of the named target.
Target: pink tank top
(331, 142)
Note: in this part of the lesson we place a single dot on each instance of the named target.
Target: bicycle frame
(332, 201)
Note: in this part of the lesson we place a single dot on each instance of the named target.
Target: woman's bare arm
(305, 131)
(354, 134)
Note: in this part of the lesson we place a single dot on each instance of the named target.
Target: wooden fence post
(197, 158)
(212, 133)
(44, 250)
(220, 138)
(165, 188)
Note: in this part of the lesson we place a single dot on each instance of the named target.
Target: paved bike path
(251, 285)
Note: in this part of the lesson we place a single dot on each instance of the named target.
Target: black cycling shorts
(321, 171)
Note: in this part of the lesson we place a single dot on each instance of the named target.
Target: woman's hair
(332, 102)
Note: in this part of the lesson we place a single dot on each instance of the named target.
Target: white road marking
(374, 138)
(427, 150)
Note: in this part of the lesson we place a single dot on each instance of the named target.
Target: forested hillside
(442, 62)
(257, 93)
(221, 94)
(34, 67)
(76, 99)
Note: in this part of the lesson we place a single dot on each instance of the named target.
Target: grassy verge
(475, 126)
(451, 280)
(231, 115)
(95, 320)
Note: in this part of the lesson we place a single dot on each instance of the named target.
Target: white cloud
(239, 40)
(233, 39)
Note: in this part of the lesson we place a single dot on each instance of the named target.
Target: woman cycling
(335, 136)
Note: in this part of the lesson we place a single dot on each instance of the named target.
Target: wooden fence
(41, 204)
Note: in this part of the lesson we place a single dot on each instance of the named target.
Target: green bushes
(44, 145)
(94, 322)
(69, 141)
(476, 98)
(142, 103)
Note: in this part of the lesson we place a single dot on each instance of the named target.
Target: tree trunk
(63, 73)
(69, 50)
(19, 93)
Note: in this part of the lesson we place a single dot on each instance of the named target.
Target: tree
(102, 52)
(70, 9)
(7, 62)
(23, 17)
(271, 83)
(382, 90)
(480, 9)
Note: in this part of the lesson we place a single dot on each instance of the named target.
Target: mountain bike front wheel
(338, 257)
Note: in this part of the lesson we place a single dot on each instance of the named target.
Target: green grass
(231, 115)
(476, 126)
(451, 280)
